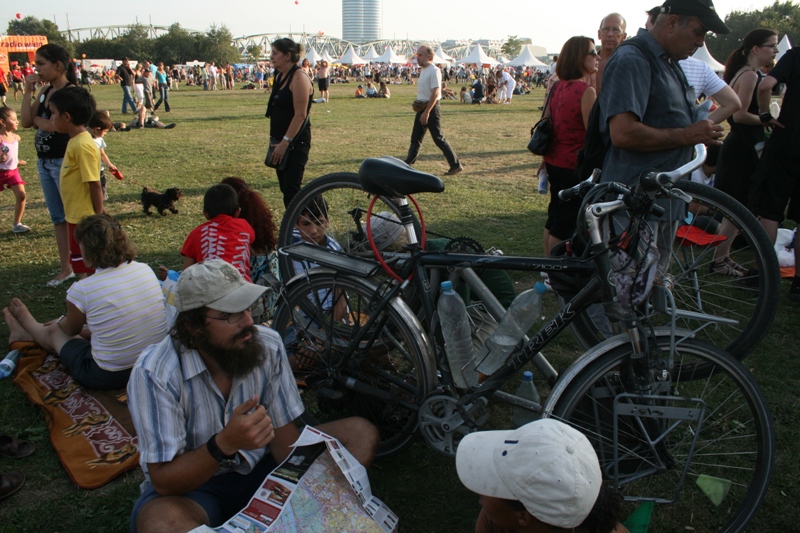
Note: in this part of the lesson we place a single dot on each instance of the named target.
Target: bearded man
(214, 406)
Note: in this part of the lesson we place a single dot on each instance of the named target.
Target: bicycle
(743, 312)
(660, 407)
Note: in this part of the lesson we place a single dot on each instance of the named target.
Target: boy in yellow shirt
(81, 191)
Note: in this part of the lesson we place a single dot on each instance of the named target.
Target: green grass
(225, 134)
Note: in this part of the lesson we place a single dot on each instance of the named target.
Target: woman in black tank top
(288, 110)
(54, 68)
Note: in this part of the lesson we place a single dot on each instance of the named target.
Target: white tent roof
(478, 57)
(351, 58)
(783, 47)
(389, 56)
(527, 59)
(313, 56)
(439, 60)
(327, 57)
(371, 54)
(441, 53)
(703, 55)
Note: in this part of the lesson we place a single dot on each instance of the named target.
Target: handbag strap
(546, 107)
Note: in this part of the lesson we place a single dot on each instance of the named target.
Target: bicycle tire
(395, 359)
(736, 442)
(697, 288)
(343, 194)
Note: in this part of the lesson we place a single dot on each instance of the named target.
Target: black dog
(161, 202)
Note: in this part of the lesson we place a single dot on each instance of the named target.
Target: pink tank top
(12, 157)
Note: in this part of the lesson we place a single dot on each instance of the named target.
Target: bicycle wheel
(734, 449)
(347, 203)
(750, 301)
(384, 377)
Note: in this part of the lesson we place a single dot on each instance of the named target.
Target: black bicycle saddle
(388, 176)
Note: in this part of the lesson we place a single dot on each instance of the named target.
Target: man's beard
(236, 362)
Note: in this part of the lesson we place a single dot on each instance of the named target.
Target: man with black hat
(647, 110)
(214, 406)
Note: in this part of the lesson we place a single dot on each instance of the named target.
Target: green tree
(34, 26)
(135, 43)
(99, 49)
(253, 53)
(177, 46)
(782, 17)
(512, 46)
(216, 46)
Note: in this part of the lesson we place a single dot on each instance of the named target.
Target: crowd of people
(221, 383)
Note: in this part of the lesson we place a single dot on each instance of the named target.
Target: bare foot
(162, 272)
(20, 311)
(15, 329)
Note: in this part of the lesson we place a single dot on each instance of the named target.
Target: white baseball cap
(548, 466)
(217, 285)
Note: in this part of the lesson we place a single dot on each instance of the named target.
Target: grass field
(225, 134)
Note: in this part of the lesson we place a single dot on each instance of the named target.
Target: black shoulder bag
(542, 131)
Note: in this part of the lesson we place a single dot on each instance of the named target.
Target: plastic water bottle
(543, 180)
(526, 390)
(519, 318)
(8, 364)
(457, 336)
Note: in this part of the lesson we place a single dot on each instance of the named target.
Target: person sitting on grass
(543, 477)
(311, 227)
(214, 406)
(121, 306)
(224, 236)
(264, 249)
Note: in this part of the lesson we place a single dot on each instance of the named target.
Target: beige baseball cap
(217, 285)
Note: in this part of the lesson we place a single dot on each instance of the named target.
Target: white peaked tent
(783, 47)
(371, 54)
(527, 59)
(438, 60)
(313, 56)
(351, 58)
(441, 53)
(478, 57)
(327, 57)
(389, 56)
(703, 55)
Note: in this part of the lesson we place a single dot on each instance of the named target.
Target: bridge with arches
(263, 42)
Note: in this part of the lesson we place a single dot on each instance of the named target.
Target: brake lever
(678, 194)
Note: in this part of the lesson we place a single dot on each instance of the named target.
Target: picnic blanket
(91, 431)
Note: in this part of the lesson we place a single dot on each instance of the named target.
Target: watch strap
(765, 117)
(216, 453)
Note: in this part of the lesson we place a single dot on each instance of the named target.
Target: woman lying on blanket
(111, 316)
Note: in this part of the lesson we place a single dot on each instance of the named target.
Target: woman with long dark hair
(738, 158)
(571, 100)
(288, 109)
(55, 70)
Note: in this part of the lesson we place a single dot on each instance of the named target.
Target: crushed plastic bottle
(514, 325)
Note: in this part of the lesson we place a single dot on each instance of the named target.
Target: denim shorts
(49, 176)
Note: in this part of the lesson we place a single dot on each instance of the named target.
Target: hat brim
(713, 23)
(243, 297)
(475, 464)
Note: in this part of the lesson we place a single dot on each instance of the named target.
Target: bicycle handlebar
(657, 180)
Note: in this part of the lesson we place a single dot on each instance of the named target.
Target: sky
(548, 24)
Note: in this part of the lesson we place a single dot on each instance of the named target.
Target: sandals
(727, 267)
(15, 448)
(10, 483)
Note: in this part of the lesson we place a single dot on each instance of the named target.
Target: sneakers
(20, 228)
(794, 290)
(454, 170)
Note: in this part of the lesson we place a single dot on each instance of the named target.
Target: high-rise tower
(361, 20)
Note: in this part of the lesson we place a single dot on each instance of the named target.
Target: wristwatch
(287, 139)
(765, 117)
(225, 461)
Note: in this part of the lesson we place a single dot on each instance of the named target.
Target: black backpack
(593, 153)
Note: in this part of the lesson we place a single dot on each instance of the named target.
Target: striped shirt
(700, 76)
(176, 406)
(124, 310)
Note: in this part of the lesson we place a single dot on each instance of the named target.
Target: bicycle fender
(662, 333)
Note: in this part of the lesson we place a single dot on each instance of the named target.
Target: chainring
(465, 245)
(442, 423)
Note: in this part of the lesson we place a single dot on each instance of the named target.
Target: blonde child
(98, 127)
(9, 159)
